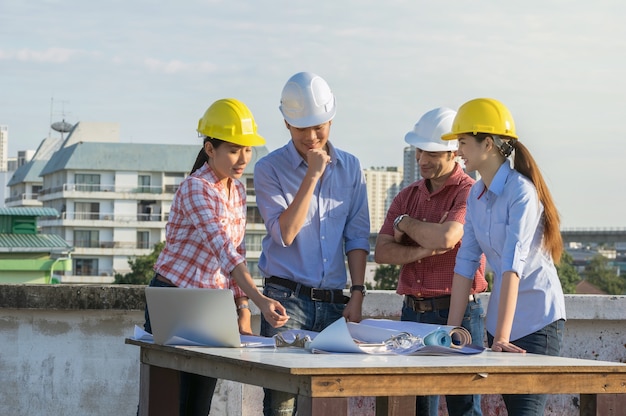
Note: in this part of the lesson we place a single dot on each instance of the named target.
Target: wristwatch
(396, 222)
(359, 288)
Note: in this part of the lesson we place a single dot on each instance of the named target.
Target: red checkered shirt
(432, 276)
(205, 233)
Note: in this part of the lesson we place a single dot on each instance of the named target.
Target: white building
(114, 198)
(383, 184)
(4, 147)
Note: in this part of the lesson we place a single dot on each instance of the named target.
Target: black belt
(320, 295)
(422, 305)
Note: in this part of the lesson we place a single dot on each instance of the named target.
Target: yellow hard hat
(230, 120)
(482, 115)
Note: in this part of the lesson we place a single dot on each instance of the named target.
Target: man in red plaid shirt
(422, 233)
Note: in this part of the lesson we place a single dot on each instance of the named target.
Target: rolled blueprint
(458, 336)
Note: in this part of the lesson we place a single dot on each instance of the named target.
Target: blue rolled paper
(439, 337)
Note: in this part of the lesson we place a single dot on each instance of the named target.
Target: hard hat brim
(427, 145)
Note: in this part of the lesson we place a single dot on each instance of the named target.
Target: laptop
(193, 316)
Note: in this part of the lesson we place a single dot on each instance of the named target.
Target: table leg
(158, 391)
(588, 404)
(395, 406)
(308, 406)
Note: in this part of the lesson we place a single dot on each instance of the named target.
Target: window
(250, 186)
(87, 182)
(86, 238)
(143, 181)
(254, 242)
(87, 210)
(85, 267)
(143, 239)
(253, 268)
(253, 216)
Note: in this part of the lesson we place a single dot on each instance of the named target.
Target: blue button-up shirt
(505, 222)
(337, 221)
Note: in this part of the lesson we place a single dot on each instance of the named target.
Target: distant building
(4, 147)
(27, 256)
(113, 198)
(410, 167)
(383, 184)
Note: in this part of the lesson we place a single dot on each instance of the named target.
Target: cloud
(50, 55)
(177, 67)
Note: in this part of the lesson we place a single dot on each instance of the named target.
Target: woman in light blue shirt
(512, 219)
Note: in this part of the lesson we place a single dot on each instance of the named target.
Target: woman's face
(472, 152)
(228, 160)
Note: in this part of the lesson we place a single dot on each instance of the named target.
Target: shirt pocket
(338, 205)
(497, 236)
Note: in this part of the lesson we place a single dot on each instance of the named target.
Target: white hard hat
(426, 135)
(307, 100)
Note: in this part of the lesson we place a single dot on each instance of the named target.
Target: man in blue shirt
(313, 200)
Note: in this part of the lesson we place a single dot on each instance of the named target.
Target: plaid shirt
(432, 276)
(205, 233)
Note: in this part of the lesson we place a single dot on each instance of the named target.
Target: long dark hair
(202, 155)
(524, 163)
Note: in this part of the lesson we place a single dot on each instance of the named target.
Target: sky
(154, 68)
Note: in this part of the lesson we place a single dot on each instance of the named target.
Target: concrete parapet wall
(62, 349)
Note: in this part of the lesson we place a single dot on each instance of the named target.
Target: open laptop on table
(185, 316)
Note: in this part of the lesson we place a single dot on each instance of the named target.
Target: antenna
(60, 126)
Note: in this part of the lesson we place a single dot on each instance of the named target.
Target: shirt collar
(207, 173)
(454, 179)
(499, 180)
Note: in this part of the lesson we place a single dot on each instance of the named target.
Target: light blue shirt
(506, 223)
(337, 221)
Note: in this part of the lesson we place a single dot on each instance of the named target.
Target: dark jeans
(473, 321)
(546, 341)
(196, 392)
(303, 314)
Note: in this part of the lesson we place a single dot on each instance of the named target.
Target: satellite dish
(62, 126)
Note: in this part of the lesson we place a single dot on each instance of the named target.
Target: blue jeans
(196, 392)
(303, 314)
(473, 321)
(546, 341)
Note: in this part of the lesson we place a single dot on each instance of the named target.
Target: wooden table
(322, 380)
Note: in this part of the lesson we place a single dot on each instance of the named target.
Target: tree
(141, 268)
(603, 276)
(386, 277)
(568, 275)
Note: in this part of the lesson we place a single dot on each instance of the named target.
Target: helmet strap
(503, 146)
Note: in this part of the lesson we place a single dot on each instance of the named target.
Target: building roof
(28, 172)
(20, 243)
(29, 211)
(586, 288)
(92, 156)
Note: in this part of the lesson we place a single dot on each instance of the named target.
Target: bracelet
(243, 306)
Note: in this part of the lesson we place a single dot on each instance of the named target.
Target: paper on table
(249, 341)
(343, 337)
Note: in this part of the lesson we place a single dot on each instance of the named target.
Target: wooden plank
(322, 407)
(395, 406)
(436, 384)
(158, 391)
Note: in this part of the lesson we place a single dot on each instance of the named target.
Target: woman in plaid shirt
(206, 228)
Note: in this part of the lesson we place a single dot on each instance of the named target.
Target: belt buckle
(313, 296)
